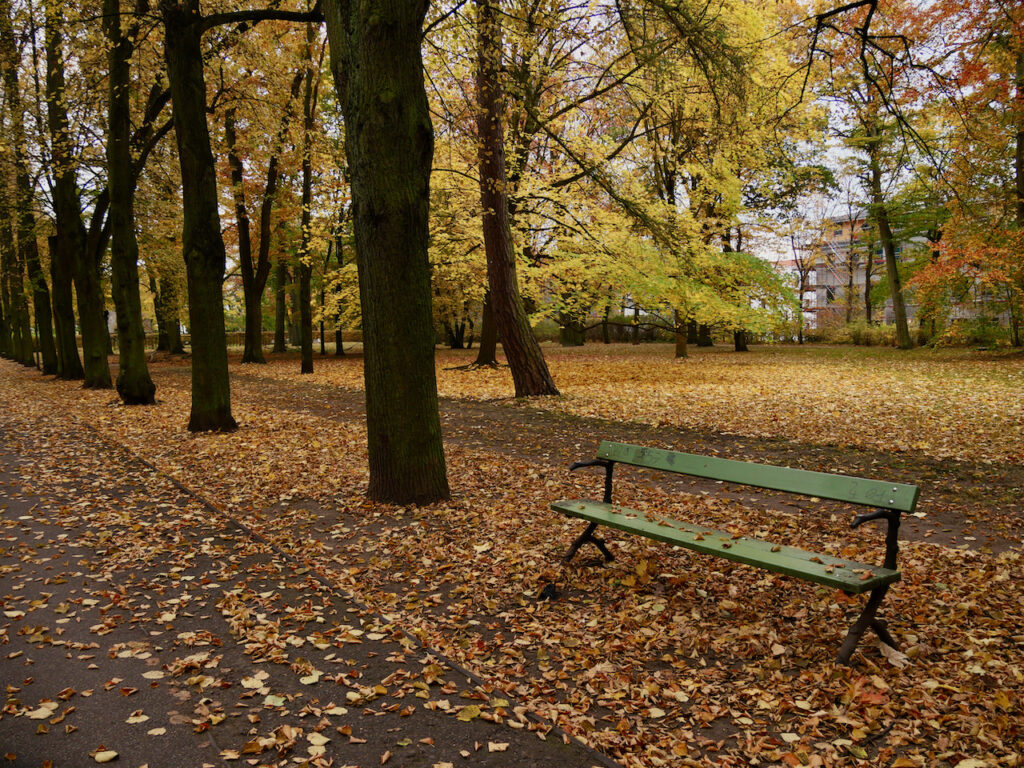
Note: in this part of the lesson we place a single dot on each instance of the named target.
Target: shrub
(865, 335)
(985, 332)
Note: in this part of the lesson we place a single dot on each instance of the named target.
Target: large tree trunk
(134, 384)
(1018, 162)
(305, 256)
(389, 142)
(70, 237)
(529, 369)
(885, 236)
(739, 339)
(202, 242)
(28, 248)
(1018, 166)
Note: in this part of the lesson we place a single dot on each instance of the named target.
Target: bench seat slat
(855, 490)
(846, 575)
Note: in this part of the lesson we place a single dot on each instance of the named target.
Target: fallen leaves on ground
(947, 404)
(661, 658)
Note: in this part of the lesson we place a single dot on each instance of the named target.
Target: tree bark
(851, 268)
(254, 275)
(704, 336)
(252, 351)
(168, 319)
(305, 256)
(869, 267)
(295, 311)
(323, 298)
(280, 304)
(69, 364)
(571, 332)
(40, 293)
(339, 340)
(134, 385)
(681, 334)
(389, 142)
(885, 236)
(5, 330)
(28, 247)
(487, 352)
(93, 325)
(202, 242)
(70, 237)
(1018, 160)
(163, 340)
(739, 339)
(7, 327)
(21, 347)
(529, 369)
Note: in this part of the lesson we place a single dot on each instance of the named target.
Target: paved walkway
(136, 620)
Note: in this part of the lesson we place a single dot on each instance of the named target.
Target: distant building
(842, 258)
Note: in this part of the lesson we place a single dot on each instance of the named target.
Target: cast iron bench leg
(866, 619)
(588, 535)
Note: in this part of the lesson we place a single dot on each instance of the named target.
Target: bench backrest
(854, 490)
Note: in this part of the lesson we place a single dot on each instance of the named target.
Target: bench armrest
(592, 463)
(608, 465)
(892, 517)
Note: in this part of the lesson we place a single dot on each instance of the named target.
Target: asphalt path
(137, 620)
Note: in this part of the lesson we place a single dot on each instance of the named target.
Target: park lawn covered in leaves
(954, 404)
(664, 657)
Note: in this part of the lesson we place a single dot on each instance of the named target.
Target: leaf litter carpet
(661, 658)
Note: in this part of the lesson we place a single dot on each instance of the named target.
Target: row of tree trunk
(374, 50)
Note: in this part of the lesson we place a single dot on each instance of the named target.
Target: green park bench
(888, 499)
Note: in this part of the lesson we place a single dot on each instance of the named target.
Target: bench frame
(794, 481)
